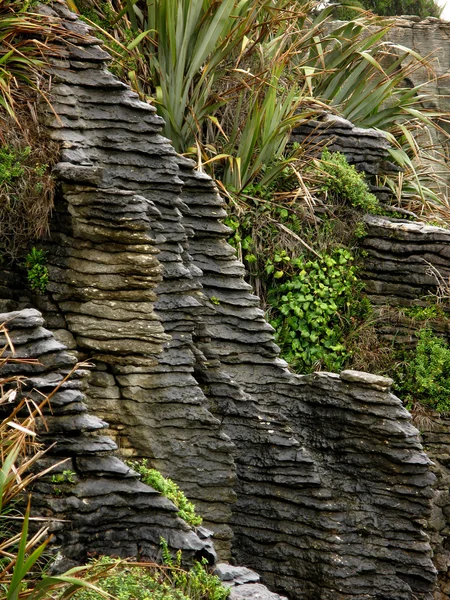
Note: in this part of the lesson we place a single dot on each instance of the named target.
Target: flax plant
(232, 78)
(21, 575)
(25, 45)
(359, 72)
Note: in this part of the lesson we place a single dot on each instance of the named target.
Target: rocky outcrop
(436, 439)
(364, 148)
(321, 479)
(406, 268)
(109, 510)
(116, 228)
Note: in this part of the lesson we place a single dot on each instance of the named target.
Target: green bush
(315, 309)
(344, 184)
(170, 581)
(152, 477)
(425, 374)
(37, 272)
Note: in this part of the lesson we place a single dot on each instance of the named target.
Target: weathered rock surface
(108, 508)
(406, 264)
(321, 479)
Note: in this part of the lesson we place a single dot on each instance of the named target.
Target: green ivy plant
(37, 272)
(152, 477)
(314, 309)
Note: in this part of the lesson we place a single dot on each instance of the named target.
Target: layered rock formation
(406, 268)
(321, 479)
(109, 510)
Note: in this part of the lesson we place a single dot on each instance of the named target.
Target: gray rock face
(321, 479)
(254, 591)
(405, 263)
(104, 501)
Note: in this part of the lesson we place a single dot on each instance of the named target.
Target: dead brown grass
(26, 200)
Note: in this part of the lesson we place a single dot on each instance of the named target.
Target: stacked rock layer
(94, 502)
(321, 479)
(407, 271)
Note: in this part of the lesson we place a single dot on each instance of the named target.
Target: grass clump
(425, 374)
(149, 581)
(152, 477)
(26, 186)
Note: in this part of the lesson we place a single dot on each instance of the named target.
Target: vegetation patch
(424, 375)
(315, 309)
(152, 477)
(341, 182)
(37, 272)
(26, 187)
(147, 581)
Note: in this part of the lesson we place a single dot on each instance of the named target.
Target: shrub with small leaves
(152, 477)
(425, 374)
(37, 272)
(344, 184)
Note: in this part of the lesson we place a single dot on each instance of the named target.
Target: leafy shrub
(425, 374)
(343, 183)
(152, 477)
(314, 310)
(37, 272)
(148, 581)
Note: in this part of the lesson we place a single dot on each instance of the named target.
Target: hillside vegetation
(231, 80)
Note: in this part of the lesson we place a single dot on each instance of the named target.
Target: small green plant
(424, 376)
(314, 309)
(343, 183)
(152, 477)
(360, 230)
(214, 300)
(11, 165)
(424, 313)
(37, 272)
(149, 581)
(66, 476)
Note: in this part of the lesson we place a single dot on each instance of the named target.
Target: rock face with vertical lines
(320, 482)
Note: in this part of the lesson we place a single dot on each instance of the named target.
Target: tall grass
(25, 46)
(232, 78)
(21, 572)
